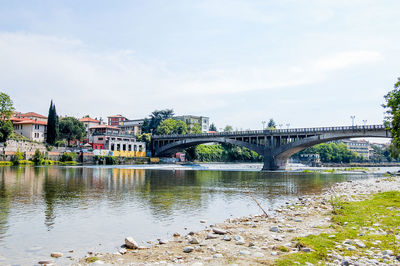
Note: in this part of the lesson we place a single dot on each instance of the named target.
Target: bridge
(275, 145)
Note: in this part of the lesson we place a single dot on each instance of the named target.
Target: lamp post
(288, 125)
(352, 120)
(365, 122)
(280, 125)
(263, 123)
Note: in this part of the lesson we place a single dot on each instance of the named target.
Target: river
(93, 208)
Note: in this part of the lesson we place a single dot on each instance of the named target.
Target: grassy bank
(374, 223)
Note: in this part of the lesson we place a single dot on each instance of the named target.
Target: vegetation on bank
(39, 158)
(361, 220)
(222, 153)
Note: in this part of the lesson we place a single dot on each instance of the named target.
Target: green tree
(6, 129)
(271, 124)
(213, 127)
(71, 128)
(392, 120)
(6, 106)
(37, 157)
(52, 125)
(145, 137)
(228, 128)
(171, 126)
(195, 129)
(151, 124)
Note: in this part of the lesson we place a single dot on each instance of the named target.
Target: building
(35, 130)
(192, 120)
(361, 147)
(110, 138)
(132, 127)
(32, 116)
(89, 122)
(116, 120)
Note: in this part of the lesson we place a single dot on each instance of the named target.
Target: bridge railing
(274, 131)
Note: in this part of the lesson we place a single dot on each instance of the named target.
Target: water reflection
(56, 205)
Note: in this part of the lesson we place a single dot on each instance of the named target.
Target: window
(100, 138)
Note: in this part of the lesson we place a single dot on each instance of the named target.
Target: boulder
(131, 243)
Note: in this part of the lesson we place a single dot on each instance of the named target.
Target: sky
(302, 63)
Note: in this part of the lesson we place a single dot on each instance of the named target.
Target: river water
(47, 209)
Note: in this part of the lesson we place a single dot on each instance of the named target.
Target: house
(89, 122)
(133, 127)
(32, 116)
(192, 120)
(116, 120)
(35, 130)
(110, 138)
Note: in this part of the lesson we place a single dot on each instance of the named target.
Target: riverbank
(260, 240)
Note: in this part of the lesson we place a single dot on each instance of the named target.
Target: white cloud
(36, 68)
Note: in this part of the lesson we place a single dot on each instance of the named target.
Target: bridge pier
(272, 163)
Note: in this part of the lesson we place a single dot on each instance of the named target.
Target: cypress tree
(52, 124)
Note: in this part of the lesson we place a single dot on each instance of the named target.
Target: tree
(150, 124)
(171, 126)
(271, 124)
(71, 128)
(6, 106)
(6, 129)
(213, 127)
(52, 125)
(228, 128)
(392, 120)
(145, 137)
(195, 129)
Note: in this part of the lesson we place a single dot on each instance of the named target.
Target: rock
(306, 249)
(203, 221)
(176, 234)
(194, 240)
(239, 240)
(162, 241)
(227, 238)
(45, 262)
(388, 252)
(191, 233)
(360, 244)
(351, 248)
(188, 249)
(331, 236)
(56, 254)
(291, 230)
(122, 251)
(251, 244)
(274, 253)
(131, 243)
(219, 231)
(298, 220)
(345, 263)
(244, 252)
(274, 229)
(211, 236)
(258, 255)
(218, 256)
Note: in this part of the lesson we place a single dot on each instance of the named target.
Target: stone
(291, 230)
(203, 221)
(176, 234)
(274, 229)
(227, 238)
(345, 263)
(45, 262)
(274, 253)
(131, 243)
(162, 241)
(244, 252)
(239, 240)
(251, 244)
(122, 251)
(306, 249)
(219, 231)
(194, 240)
(56, 254)
(351, 248)
(360, 244)
(331, 236)
(188, 249)
(211, 236)
(388, 252)
(218, 256)
(258, 255)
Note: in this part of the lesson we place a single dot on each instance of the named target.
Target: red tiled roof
(104, 126)
(88, 119)
(30, 121)
(33, 114)
(116, 116)
(16, 119)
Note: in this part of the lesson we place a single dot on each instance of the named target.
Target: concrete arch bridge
(275, 145)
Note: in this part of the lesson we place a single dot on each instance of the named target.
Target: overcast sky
(303, 63)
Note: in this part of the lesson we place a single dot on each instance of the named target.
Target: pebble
(351, 248)
(388, 252)
(211, 236)
(258, 255)
(219, 231)
(176, 234)
(188, 249)
(239, 240)
(331, 236)
(274, 253)
(360, 244)
(218, 256)
(56, 254)
(45, 262)
(162, 241)
(244, 252)
(131, 243)
(122, 251)
(306, 249)
(274, 229)
(203, 221)
(194, 241)
(227, 238)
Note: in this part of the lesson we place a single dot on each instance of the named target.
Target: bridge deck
(276, 132)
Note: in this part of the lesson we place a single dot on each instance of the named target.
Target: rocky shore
(257, 240)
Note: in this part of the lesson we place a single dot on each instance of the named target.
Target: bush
(68, 156)
(37, 157)
(111, 160)
(18, 156)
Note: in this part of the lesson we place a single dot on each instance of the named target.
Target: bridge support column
(272, 163)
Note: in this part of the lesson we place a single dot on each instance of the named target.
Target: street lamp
(288, 125)
(280, 125)
(352, 120)
(263, 123)
(365, 122)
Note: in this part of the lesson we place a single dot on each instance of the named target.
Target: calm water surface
(46, 209)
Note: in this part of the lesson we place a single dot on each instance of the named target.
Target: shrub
(68, 156)
(18, 156)
(37, 157)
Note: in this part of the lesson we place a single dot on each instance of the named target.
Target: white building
(32, 129)
(191, 121)
(361, 147)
